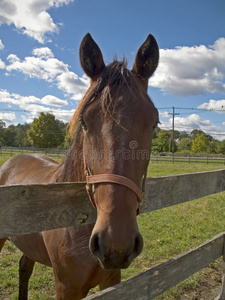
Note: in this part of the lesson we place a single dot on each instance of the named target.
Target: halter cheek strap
(115, 179)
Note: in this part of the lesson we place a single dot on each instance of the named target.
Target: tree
(9, 136)
(163, 140)
(176, 134)
(46, 132)
(21, 135)
(184, 134)
(220, 147)
(184, 144)
(196, 132)
(2, 126)
(201, 144)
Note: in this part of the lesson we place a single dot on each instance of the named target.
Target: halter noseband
(113, 178)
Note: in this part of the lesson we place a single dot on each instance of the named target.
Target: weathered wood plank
(27, 209)
(156, 281)
(171, 190)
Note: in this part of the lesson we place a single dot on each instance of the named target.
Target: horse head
(118, 120)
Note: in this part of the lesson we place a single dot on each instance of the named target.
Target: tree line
(197, 141)
(44, 132)
(48, 132)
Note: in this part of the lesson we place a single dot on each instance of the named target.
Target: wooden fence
(190, 159)
(27, 209)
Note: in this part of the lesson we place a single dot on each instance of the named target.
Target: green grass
(41, 282)
(167, 233)
(167, 168)
(3, 158)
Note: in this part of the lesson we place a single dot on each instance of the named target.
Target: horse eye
(156, 124)
(83, 125)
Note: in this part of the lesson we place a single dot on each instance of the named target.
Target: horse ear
(91, 57)
(147, 58)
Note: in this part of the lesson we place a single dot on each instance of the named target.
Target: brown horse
(111, 133)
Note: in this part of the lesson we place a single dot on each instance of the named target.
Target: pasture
(167, 233)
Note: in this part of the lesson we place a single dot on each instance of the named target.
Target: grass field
(167, 233)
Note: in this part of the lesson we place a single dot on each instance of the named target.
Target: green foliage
(220, 146)
(14, 136)
(9, 136)
(197, 132)
(195, 142)
(46, 132)
(201, 144)
(163, 140)
(2, 126)
(21, 135)
(184, 144)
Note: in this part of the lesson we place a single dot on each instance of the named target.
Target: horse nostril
(94, 245)
(138, 246)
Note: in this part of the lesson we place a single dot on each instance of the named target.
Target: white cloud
(72, 84)
(24, 101)
(33, 106)
(64, 115)
(12, 58)
(45, 66)
(192, 122)
(2, 64)
(191, 70)
(164, 114)
(54, 101)
(1, 45)
(34, 112)
(7, 117)
(38, 67)
(30, 16)
(215, 105)
(43, 52)
(60, 114)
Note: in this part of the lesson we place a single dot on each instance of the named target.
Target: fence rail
(12, 151)
(48, 206)
(190, 159)
(32, 208)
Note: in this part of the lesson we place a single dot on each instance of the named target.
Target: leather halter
(115, 179)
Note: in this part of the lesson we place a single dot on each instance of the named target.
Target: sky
(39, 56)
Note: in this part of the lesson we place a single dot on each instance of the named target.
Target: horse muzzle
(115, 256)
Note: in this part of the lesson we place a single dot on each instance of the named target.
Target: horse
(113, 123)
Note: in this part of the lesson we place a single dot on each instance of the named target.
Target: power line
(201, 109)
(159, 108)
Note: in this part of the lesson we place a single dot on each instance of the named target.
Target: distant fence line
(188, 159)
(12, 151)
(155, 157)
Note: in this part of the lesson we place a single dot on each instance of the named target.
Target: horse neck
(72, 166)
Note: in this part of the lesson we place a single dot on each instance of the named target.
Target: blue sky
(39, 56)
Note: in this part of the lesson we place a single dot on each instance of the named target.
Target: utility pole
(172, 135)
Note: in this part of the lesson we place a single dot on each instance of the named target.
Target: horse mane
(107, 88)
